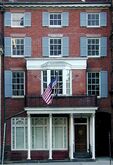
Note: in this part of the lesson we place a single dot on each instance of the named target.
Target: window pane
(55, 19)
(38, 138)
(59, 133)
(44, 80)
(39, 133)
(68, 83)
(93, 46)
(93, 19)
(17, 19)
(20, 138)
(17, 46)
(19, 133)
(18, 83)
(58, 89)
(93, 83)
(55, 46)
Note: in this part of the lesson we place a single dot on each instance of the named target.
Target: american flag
(47, 94)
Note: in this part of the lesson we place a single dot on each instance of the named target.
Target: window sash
(17, 19)
(55, 47)
(40, 133)
(18, 47)
(93, 83)
(55, 19)
(93, 19)
(18, 79)
(93, 46)
(59, 134)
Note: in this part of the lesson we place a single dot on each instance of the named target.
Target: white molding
(56, 63)
(58, 5)
(61, 110)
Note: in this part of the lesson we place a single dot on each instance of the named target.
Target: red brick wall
(79, 82)
(73, 31)
(33, 83)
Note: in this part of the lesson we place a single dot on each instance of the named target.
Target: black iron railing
(62, 101)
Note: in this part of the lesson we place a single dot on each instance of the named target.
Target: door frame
(87, 132)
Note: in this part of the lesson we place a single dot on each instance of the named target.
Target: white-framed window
(63, 86)
(59, 134)
(40, 133)
(93, 85)
(17, 19)
(55, 19)
(93, 45)
(19, 133)
(18, 47)
(93, 19)
(55, 47)
(18, 80)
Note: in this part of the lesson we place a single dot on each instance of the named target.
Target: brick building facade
(68, 40)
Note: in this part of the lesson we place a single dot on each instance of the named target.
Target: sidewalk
(98, 161)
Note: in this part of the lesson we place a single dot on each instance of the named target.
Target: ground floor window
(39, 133)
(19, 133)
(59, 135)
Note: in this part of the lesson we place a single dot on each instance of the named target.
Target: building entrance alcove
(102, 131)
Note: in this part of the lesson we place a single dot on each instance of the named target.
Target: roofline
(54, 5)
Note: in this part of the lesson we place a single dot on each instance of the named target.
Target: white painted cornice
(58, 5)
(61, 110)
(55, 63)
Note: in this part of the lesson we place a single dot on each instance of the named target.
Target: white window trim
(54, 26)
(61, 47)
(22, 96)
(12, 20)
(94, 56)
(92, 26)
(17, 56)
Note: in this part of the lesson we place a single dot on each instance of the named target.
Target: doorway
(80, 135)
(102, 130)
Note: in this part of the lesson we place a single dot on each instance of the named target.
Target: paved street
(98, 161)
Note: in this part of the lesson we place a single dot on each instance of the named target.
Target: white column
(29, 137)
(50, 136)
(88, 135)
(93, 136)
(71, 136)
(0, 106)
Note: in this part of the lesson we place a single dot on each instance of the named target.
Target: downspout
(3, 92)
(0, 89)
(111, 75)
(0, 108)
